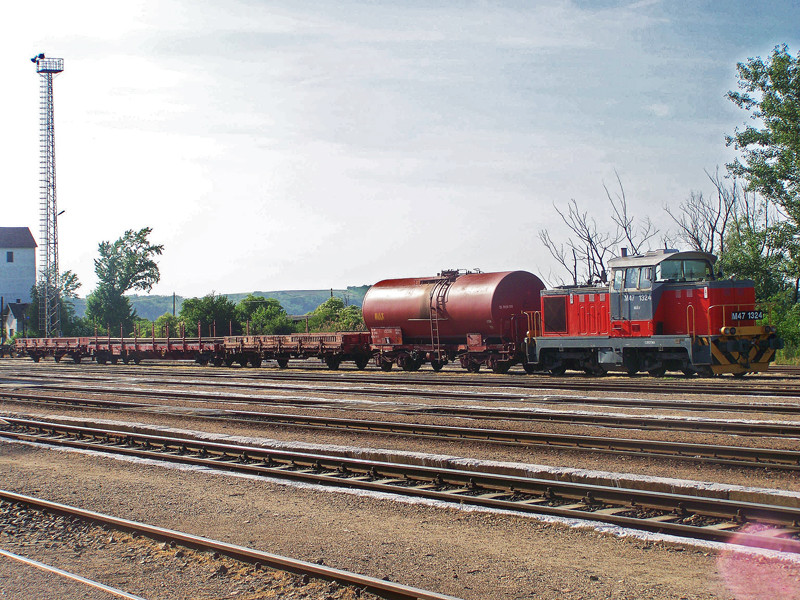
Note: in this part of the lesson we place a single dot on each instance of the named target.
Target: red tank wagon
(663, 310)
(479, 318)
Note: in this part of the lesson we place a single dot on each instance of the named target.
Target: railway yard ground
(477, 486)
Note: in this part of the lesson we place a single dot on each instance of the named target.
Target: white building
(17, 265)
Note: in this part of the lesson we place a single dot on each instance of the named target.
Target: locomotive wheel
(386, 365)
(282, 362)
(437, 365)
(739, 375)
(658, 371)
(689, 371)
(361, 362)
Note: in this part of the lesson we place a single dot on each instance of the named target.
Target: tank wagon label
(379, 316)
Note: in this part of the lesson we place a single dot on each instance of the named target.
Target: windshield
(684, 270)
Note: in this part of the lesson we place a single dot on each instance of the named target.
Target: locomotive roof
(654, 257)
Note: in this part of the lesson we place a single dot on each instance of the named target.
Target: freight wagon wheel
(437, 365)
(282, 362)
(76, 358)
(361, 362)
(529, 368)
(386, 365)
(333, 362)
(558, 371)
(137, 359)
(501, 367)
(35, 357)
(216, 361)
(658, 372)
(473, 367)
(126, 359)
(114, 360)
(228, 361)
(739, 375)
(256, 361)
(57, 357)
(688, 371)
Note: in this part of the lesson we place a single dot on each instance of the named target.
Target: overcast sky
(295, 145)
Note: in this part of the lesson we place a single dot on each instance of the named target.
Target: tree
(770, 92)
(71, 325)
(124, 265)
(215, 314)
(333, 315)
(770, 151)
(266, 316)
(703, 220)
(589, 248)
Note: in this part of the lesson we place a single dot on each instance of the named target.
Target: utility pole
(49, 309)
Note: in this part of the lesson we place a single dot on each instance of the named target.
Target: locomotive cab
(639, 283)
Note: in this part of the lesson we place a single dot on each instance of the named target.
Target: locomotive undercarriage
(747, 351)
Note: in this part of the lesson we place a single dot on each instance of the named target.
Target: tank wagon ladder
(437, 301)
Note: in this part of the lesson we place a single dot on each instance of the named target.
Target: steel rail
(660, 423)
(683, 385)
(67, 575)
(678, 513)
(379, 587)
(738, 456)
(687, 405)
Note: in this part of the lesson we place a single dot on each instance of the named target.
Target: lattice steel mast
(49, 313)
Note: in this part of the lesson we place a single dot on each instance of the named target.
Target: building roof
(16, 237)
(17, 309)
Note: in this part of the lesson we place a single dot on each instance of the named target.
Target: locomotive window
(632, 278)
(684, 270)
(669, 269)
(618, 275)
(555, 313)
(645, 277)
(696, 270)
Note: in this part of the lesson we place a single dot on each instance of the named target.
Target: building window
(9, 256)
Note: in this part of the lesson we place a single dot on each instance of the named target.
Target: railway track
(695, 517)
(673, 385)
(738, 456)
(616, 421)
(378, 587)
(676, 404)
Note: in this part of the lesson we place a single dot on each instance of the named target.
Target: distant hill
(296, 302)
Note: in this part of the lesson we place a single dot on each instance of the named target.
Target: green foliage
(124, 265)
(265, 315)
(771, 154)
(169, 324)
(750, 253)
(109, 311)
(207, 311)
(333, 315)
(71, 324)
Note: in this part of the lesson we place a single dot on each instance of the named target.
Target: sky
(307, 145)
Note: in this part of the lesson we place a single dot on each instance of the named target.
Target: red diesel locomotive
(664, 310)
